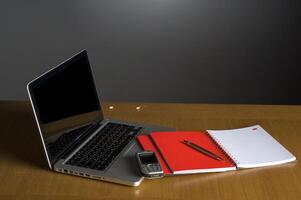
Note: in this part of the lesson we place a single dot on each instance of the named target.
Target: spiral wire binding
(221, 148)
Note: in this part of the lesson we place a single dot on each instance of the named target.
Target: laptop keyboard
(64, 140)
(104, 146)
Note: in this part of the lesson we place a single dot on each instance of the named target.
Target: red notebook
(247, 147)
(177, 158)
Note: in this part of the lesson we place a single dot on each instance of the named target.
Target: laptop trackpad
(126, 167)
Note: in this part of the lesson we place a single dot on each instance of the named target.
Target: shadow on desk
(20, 142)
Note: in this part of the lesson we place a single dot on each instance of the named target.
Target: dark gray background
(208, 51)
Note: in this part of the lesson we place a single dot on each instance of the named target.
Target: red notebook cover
(182, 159)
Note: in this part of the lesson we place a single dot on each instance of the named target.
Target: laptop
(76, 137)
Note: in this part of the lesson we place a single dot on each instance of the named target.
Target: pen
(201, 150)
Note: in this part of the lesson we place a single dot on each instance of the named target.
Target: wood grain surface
(24, 173)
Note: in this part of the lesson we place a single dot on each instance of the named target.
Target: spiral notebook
(239, 148)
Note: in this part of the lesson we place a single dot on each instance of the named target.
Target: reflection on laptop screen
(66, 93)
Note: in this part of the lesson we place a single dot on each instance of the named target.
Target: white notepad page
(251, 147)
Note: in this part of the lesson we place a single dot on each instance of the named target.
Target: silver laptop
(76, 138)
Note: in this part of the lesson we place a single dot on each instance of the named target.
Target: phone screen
(148, 159)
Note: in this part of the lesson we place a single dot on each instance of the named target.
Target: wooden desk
(24, 173)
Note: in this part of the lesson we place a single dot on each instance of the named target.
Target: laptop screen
(65, 98)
